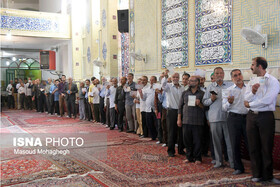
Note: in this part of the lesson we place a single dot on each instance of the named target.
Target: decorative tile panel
(88, 55)
(213, 32)
(30, 23)
(132, 35)
(125, 53)
(104, 51)
(174, 33)
(104, 18)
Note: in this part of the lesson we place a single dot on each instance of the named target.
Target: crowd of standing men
(187, 115)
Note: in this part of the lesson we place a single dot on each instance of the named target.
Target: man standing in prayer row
(120, 103)
(260, 98)
(130, 108)
(111, 93)
(173, 91)
(62, 94)
(71, 90)
(218, 117)
(233, 103)
(192, 120)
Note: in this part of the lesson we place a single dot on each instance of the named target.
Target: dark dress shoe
(181, 153)
(171, 154)
(111, 128)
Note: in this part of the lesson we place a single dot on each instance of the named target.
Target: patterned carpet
(129, 160)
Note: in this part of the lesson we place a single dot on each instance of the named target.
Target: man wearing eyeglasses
(233, 103)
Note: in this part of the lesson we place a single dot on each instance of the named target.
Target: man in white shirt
(18, 95)
(233, 103)
(111, 93)
(174, 92)
(260, 98)
(28, 93)
(21, 92)
(148, 95)
(138, 112)
(9, 89)
(96, 99)
(143, 107)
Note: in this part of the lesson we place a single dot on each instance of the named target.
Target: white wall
(20, 4)
(50, 6)
(64, 59)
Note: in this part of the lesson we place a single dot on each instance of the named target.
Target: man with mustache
(260, 98)
(193, 120)
(217, 117)
(237, 112)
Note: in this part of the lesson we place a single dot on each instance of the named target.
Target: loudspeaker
(47, 60)
(123, 20)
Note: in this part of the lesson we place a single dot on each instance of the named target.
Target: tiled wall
(245, 13)
(31, 23)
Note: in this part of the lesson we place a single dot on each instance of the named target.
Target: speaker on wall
(47, 60)
(123, 20)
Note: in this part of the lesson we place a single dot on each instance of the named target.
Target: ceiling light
(7, 63)
(14, 58)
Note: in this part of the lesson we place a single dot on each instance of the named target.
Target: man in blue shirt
(55, 97)
(101, 99)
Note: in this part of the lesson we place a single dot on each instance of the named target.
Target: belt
(258, 112)
(237, 115)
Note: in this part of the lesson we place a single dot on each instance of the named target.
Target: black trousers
(36, 105)
(21, 99)
(71, 107)
(11, 102)
(42, 103)
(87, 110)
(96, 112)
(237, 129)
(121, 109)
(260, 133)
(159, 125)
(192, 136)
(101, 110)
(175, 134)
(50, 105)
(205, 138)
(164, 126)
(28, 100)
(144, 124)
(151, 123)
(108, 118)
(56, 107)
